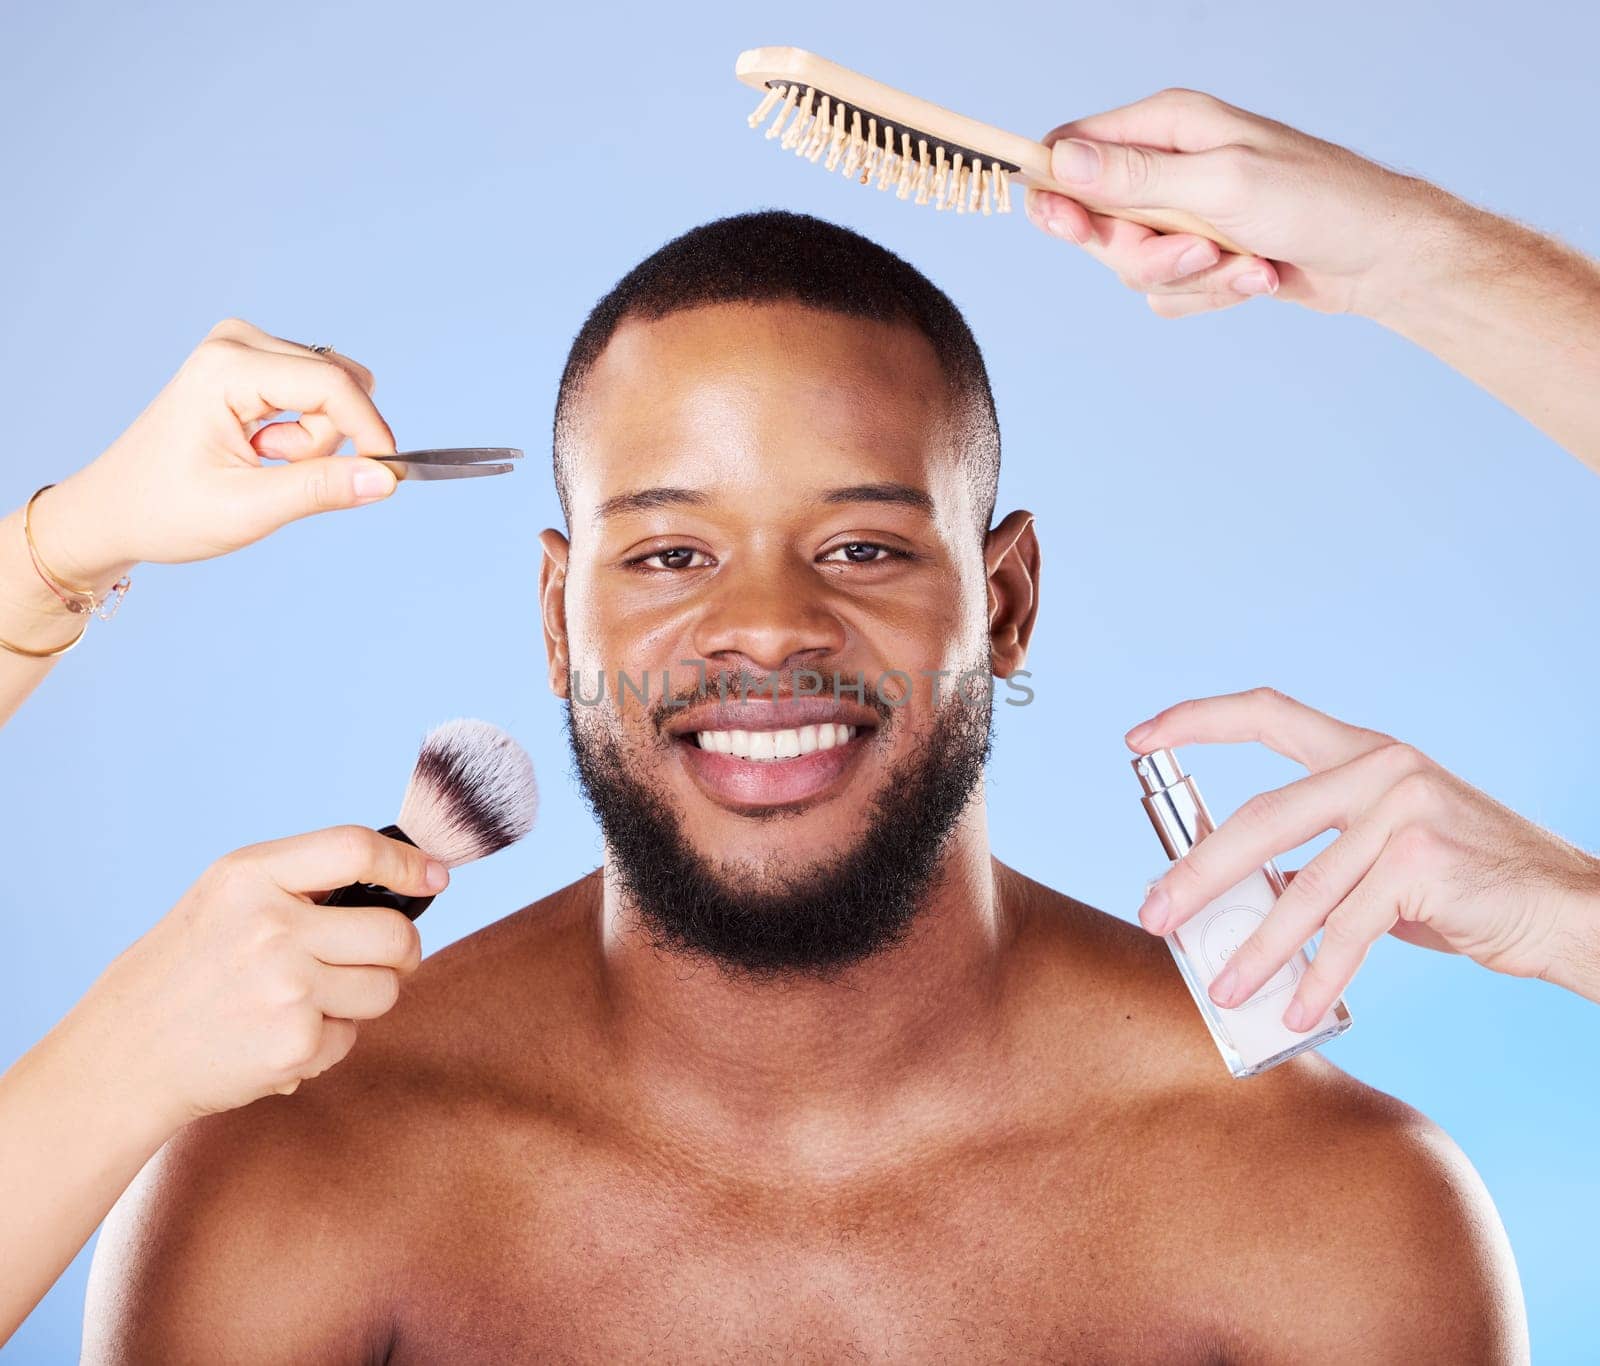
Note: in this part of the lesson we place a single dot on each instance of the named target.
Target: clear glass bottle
(1250, 1036)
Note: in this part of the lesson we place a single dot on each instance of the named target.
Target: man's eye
(678, 557)
(859, 552)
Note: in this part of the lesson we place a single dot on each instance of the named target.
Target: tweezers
(454, 462)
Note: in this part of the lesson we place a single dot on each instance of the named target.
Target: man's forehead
(722, 388)
(727, 357)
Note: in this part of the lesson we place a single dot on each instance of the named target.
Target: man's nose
(772, 616)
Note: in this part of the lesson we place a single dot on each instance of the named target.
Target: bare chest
(1023, 1256)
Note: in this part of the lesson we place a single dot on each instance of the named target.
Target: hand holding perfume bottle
(1420, 854)
(1250, 1032)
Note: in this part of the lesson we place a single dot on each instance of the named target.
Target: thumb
(324, 484)
(1121, 175)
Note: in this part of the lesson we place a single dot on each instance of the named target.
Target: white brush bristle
(927, 171)
(471, 793)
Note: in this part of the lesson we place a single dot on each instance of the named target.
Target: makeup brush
(471, 794)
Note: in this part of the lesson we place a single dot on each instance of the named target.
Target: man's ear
(553, 608)
(1011, 558)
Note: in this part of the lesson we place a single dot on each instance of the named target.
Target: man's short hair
(775, 256)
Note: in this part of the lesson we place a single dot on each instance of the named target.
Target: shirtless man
(803, 1072)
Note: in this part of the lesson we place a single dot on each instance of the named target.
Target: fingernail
(438, 876)
(1295, 1016)
(1139, 732)
(1074, 161)
(1254, 282)
(1223, 988)
(1199, 257)
(1153, 914)
(1063, 226)
(373, 483)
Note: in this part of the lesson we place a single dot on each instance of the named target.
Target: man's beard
(762, 922)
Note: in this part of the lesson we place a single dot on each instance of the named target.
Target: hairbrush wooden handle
(854, 98)
(1036, 174)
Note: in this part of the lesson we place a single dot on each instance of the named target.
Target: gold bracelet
(106, 607)
(49, 578)
(26, 653)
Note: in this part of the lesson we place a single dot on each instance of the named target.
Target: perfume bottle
(1251, 1036)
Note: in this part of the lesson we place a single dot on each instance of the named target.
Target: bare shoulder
(251, 1235)
(1380, 1230)
(1350, 1212)
(534, 966)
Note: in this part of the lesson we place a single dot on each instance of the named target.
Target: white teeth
(767, 746)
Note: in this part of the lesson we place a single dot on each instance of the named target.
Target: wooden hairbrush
(877, 134)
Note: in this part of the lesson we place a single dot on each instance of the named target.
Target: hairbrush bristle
(919, 167)
(472, 793)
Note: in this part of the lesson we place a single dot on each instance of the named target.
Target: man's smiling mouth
(750, 754)
(769, 746)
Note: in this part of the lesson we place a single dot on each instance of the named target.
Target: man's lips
(763, 754)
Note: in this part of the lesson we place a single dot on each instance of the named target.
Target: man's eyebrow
(906, 494)
(641, 500)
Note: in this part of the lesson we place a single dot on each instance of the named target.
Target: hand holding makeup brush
(254, 982)
(247, 987)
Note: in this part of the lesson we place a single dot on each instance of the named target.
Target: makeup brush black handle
(370, 894)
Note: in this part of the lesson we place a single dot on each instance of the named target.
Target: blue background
(1266, 496)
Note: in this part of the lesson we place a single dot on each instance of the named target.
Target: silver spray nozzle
(1173, 803)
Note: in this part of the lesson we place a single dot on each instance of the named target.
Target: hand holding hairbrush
(471, 794)
(875, 134)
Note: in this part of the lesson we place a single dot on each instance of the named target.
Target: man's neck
(800, 1053)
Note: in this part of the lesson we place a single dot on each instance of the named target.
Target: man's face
(771, 490)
